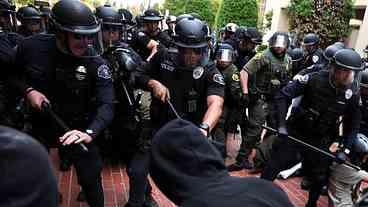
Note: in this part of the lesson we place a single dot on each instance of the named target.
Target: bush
(329, 19)
(242, 12)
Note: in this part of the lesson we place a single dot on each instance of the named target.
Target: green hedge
(329, 19)
(242, 12)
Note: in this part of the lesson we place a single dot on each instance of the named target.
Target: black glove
(341, 156)
(244, 101)
(282, 132)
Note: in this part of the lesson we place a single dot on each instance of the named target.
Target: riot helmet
(359, 149)
(183, 16)
(78, 33)
(191, 36)
(364, 87)
(247, 38)
(45, 13)
(330, 51)
(230, 29)
(344, 69)
(151, 21)
(31, 21)
(170, 22)
(310, 43)
(297, 55)
(225, 55)
(111, 25)
(279, 43)
(126, 16)
(7, 17)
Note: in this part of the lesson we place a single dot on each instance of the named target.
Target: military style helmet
(296, 54)
(45, 11)
(108, 15)
(151, 15)
(73, 16)
(191, 33)
(8, 12)
(348, 59)
(231, 27)
(170, 19)
(330, 51)
(311, 39)
(183, 16)
(28, 13)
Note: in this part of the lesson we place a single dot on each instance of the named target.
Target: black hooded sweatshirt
(189, 170)
(26, 176)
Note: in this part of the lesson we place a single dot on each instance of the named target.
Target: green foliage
(329, 19)
(21, 3)
(241, 12)
(204, 8)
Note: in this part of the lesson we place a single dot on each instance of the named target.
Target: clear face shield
(343, 78)
(190, 58)
(81, 44)
(7, 21)
(34, 25)
(112, 34)
(279, 45)
(224, 57)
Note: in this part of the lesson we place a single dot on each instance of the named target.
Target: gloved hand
(341, 157)
(282, 132)
(244, 101)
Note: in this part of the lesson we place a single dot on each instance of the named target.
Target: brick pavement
(116, 186)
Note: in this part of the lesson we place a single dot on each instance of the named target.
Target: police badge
(198, 72)
(348, 94)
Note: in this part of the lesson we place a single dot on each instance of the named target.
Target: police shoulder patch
(104, 72)
(218, 78)
(348, 94)
(315, 58)
(303, 79)
(198, 72)
(235, 77)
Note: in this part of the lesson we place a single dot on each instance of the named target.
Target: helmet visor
(82, 45)
(192, 57)
(7, 21)
(224, 55)
(280, 41)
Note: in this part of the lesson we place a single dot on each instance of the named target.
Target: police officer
(328, 94)
(187, 78)
(297, 55)
(45, 12)
(66, 71)
(245, 39)
(313, 54)
(11, 113)
(261, 78)
(364, 97)
(225, 56)
(146, 40)
(170, 22)
(31, 21)
(230, 29)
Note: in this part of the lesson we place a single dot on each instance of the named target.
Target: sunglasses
(83, 36)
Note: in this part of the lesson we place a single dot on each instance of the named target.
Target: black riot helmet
(7, 17)
(364, 85)
(225, 55)
(126, 16)
(297, 55)
(152, 15)
(191, 33)
(78, 33)
(192, 38)
(359, 149)
(183, 16)
(310, 43)
(31, 21)
(279, 43)
(345, 67)
(111, 25)
(330, 51)
(310, 39)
